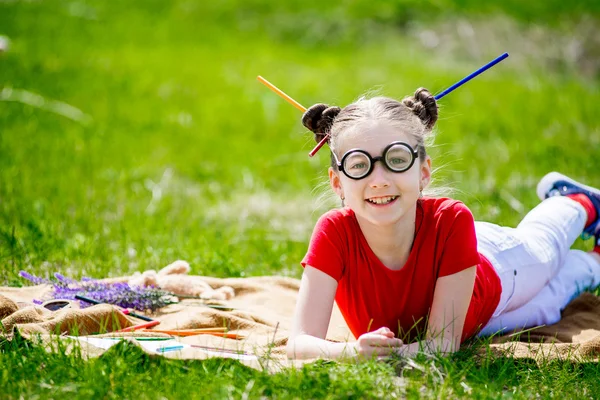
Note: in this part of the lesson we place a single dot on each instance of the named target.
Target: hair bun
(319, 119)
(424, 106)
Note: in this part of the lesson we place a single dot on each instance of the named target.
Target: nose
(379, 178)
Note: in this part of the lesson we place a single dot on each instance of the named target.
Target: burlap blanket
(261, 315)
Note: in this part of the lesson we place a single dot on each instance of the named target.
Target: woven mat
(262, 314)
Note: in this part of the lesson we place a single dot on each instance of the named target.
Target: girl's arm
(311, 320)
(451, 300)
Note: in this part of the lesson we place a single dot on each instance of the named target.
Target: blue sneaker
(556, 184)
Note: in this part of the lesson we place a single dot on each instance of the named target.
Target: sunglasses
(358, 164)
(54, 305)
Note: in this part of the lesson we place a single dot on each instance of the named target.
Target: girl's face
(383, 197)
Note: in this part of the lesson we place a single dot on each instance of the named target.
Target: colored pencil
(281, 93)
(139, 316)
(437, 96)
(125, 311)
(225, 335)
(216, 349)
(169, 348)
(193, 332)
(471, 76)
(185, 332)
(295, 104)
(141, 339)
(141, 326)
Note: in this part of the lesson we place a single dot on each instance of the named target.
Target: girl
(402, 266)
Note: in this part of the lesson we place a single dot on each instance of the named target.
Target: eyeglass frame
(373, 160)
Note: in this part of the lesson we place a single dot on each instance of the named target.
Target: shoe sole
(548, 181)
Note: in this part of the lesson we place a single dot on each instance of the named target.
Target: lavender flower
(64, 279)
(120, 294)
(34, 279)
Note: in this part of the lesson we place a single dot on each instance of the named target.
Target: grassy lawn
(135, 134)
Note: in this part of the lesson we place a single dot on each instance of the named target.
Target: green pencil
(141, 338)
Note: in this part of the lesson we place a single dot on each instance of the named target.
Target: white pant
(540, 274)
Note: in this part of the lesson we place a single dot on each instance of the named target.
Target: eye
(359, 165)
(397, 160)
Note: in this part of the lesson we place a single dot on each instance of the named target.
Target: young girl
(402, 266)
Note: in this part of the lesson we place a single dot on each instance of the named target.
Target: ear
(335, 182)
(425, 172)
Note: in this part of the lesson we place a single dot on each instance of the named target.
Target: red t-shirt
(371, 296)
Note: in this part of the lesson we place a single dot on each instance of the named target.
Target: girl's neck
(391, 243)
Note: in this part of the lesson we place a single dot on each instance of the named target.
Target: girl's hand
(380, 343)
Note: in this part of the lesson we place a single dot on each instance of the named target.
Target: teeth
(382, 200)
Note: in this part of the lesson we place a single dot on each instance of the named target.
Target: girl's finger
(382, 342)
(384, 331)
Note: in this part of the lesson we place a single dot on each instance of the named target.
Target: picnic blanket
(261, 314)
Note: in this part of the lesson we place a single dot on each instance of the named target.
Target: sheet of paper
(162, 347)
(225, 354)
(102, 343)
(155, 346)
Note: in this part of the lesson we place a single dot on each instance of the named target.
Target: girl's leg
(580, 271)
(548, 231)
(529, 256)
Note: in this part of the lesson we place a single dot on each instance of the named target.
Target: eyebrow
(414, 147)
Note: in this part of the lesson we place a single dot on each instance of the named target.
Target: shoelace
(554, 192)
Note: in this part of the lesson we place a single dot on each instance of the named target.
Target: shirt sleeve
(326, 248)
(460, 247)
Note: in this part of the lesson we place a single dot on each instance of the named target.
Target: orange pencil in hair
(295, 104)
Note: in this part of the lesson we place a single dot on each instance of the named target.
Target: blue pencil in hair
(471, 76)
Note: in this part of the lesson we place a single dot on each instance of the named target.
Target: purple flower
(64, 279)
(120, 294)
(34, 279)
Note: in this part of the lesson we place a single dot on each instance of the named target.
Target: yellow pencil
(280, 93)
(295, 104)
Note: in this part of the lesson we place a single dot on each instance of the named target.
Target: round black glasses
(358, 164)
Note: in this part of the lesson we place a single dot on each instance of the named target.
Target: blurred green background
(133, 134)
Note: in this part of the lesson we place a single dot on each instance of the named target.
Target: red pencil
(141, 326)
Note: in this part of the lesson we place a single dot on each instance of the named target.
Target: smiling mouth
(382, 200)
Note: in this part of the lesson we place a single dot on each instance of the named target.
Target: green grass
(181, 154)
(125, 371)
